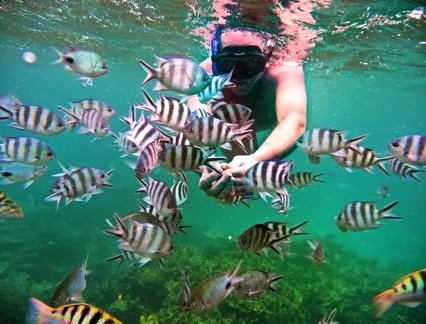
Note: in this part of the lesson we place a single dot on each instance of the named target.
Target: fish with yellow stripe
(8, 208)
(410, 291)
(40, 313)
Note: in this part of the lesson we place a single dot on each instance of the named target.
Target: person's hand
(240, 164)
(216, 185)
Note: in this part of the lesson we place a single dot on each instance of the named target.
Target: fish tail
(273, 243)
(148, 98)
(272, 282)
(38, 312)
(119, 231)
(119, 257)
(380, 163)
(316, 177)
(412, 174)
(234, 279)
(143, 187)
(353, 142)
(57, 196)
(152, 73)
(384, 210)
(60, 56)
(295, 230)
(74, 118)
(383, 302)
(7, 111)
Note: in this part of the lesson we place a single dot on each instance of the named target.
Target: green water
(370, 79)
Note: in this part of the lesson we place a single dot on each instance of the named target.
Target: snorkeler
(275, 91)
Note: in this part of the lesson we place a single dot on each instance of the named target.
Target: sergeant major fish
(317, 253)
(8, 208)
(410, 291)
(409, 149)
(214, 89)
(255, 283)
(179, 74)
(13, 172)
(303, 179)
(231, 113)
(404, 170)
(26, 150)
(91, 121)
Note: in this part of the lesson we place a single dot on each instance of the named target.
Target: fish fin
(160, 87)
(119, 257)
(380, 163)
(411, 304)
(314, 159)
(60, 56)
(27, 184)
(316, 177)
(7, 111)
(272, 282)
(383, 302)
(68, 113)
(273, 243)
(151, 72)
(349, 170)
(311, 245)
(39, 312)
(295, 230)
(227, 146)
(265, 195)
(120, 231)
(126, 247)
(412, 174)
(384, 210)
(368, 169)
(353, 142)
(84, 131)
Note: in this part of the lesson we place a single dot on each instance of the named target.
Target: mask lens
(245, 66)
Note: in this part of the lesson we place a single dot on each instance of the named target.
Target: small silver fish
(179, 74)
(281, 203)
(255, 283)
(180, 190)
(409, 149)
(147, 159)
(383, 191)
(27, 150)
(8, 208)
(126, 145)
(317, 254)
(70, 290)
(13, 172)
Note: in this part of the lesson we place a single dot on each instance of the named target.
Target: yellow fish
(8, 208)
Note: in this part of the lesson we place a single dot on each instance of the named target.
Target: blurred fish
(36, 119)
(231, 113)
(147, 240)
(10, 102)
(270, 176)
(132, 258)
(317, 254)
(85, 63)
(199, 113)
(39, 313)
(78, 107)
(147, 160)
(185, 290)
(328, 319)
(409, 149)
(126, 145)
(187, 158)
(91, 121)
(362, 158)
(360, 216)
(169, 111)
(303, 179)
(404, 170)
(78, 183)
(13, 172)
(255, 283)
(26, 150)
(383, 191)
(259, 237)
(71, 288)
(8, 208)
(212, 291)
(180, 190)
(176, 140)
(214, 89)
(319, 141)
(282, 203)
(178, 74)
(210, 131)
(282, 229)
(409, 291)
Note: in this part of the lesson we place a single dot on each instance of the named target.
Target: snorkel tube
(216, 46)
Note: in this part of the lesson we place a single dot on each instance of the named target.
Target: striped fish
(282, 203)
(185, 290)
(231, 113)
(323, 141)
(91, 122)
(132, 258)
(410, 291)
(8, 208)
(126, 145)
(360, 216)
(409, 149)
(214, 89)
(160, 196)
(210, 131)
(270, 176)
(179, 74)
(328, 319)
(39, 313)
(36, 119)
(78, 183)
(145, 239)
(259, 237)
(180, 190)
(176, 140)
(255, 283)
(10, 102)
(199, 113)
(362, 158)
(234, 199)
(186, 158)
(303, 179)
(147, 159)
(142, 132)
(404, 170)
(317, 253)
(26, 150)
(282, 229)
(169, 111)
(78, 107)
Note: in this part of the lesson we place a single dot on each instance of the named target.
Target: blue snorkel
(215, 46)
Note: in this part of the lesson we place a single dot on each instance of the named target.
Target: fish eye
(48, 154)
(109, 109)
(395, 144)
(243, 240)
(104, 67)
(59, 124)
(192, 305)
(190, 130)
(12, 210)
(102, 175)
(171, 248)
(300, 140)
(58, 298)
(237, 287)
(38, 157)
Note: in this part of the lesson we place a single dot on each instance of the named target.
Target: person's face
(244, 86)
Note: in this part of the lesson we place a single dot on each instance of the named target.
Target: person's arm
(291, 117)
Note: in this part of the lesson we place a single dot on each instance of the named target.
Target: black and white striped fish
(77, 107)
(179, 74)
(78, 183)
(270, 176)
(169, 111)
(409, 149)
(186, 158)
(231, 113)
(282, 229)
(303, 179)
(26, 150)
(125, 145)
(214, 89)
(360, 216)
(147, 159)
(142, 132)
(210, 131)
(199, 113)
(185, 290)
(145, 239)
(160, 196)
(91, 122)
(132, 258)
(281, 203)
(319, 141)
(180, 190)
(36, 119)
(404, 170)
(361, 158)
